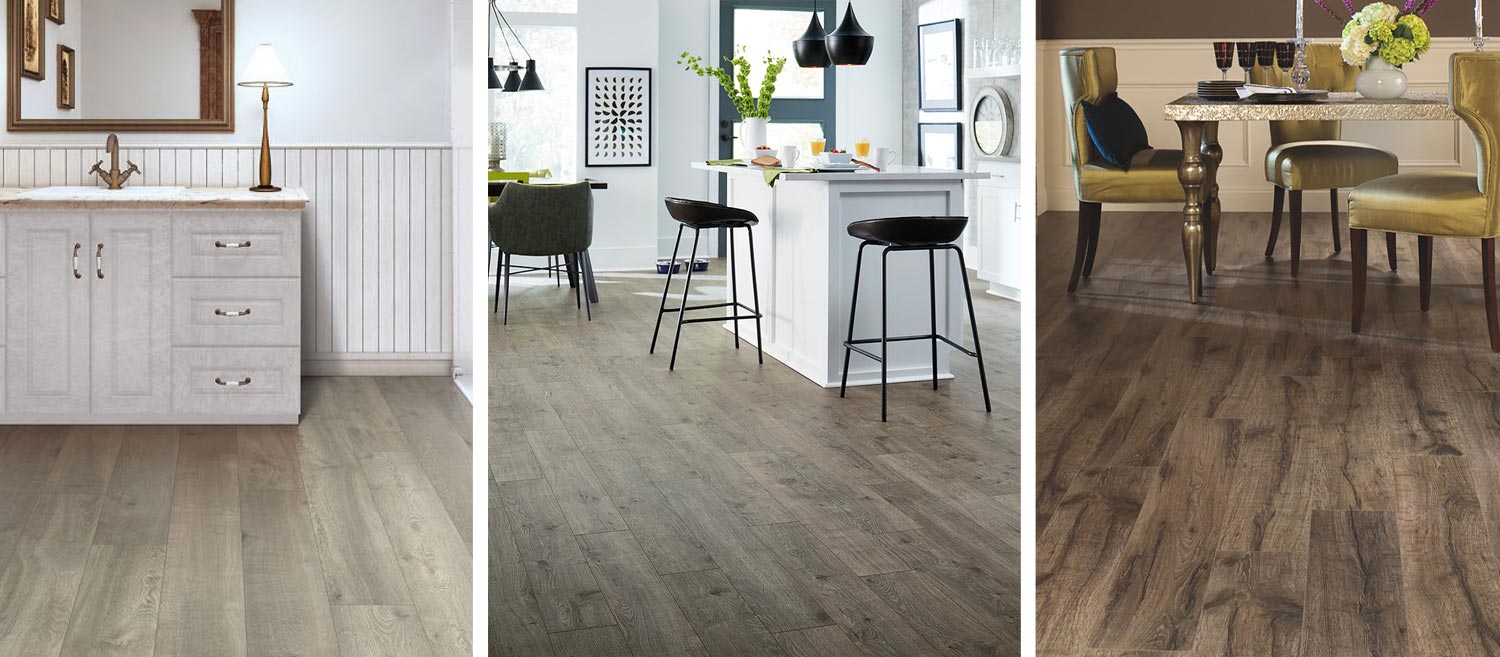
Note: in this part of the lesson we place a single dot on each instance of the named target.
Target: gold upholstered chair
(1089, 74)
(1442, 203)
(1309, 155)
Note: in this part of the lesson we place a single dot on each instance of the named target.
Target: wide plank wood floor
(1246, 477)
(728, 509)
(347, 536)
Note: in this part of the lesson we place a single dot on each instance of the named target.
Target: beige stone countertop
(1414, 106)
(149, 198)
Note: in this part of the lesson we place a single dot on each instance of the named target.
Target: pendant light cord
(501, 23)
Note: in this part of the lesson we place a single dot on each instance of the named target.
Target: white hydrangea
(1354, 49)
(1377, 11)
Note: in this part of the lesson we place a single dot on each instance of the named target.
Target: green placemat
(726, 163)
(771, 173)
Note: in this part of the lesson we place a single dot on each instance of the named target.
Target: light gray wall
(992, 19)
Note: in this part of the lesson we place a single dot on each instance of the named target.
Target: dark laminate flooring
(730, 509)
(1245, 477)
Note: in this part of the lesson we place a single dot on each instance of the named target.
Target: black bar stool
(701, 215)
(930, 234)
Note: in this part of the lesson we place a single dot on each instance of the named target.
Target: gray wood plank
(118, 602)
(515, 621)
(24, 462)
(359, 564)
(665, 538)
(286, 606)
(138, 506)
(606, 641)
(268, 458)
(86, 461)
(578, 491)
(826, 641)
(735, 487)
(380, 631)
(724, 622)
(202, 601)
(40, 584)
(567, 593)
(642, 604)
(440, 447)
(924, 601)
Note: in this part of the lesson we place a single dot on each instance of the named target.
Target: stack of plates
(1219, 89)
(1294, 98)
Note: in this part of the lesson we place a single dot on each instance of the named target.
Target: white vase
(1380, 80)
(752, 134)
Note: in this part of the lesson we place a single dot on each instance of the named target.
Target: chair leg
(1277, 201)
(1491, 313)
(1333, 207)
(885, 354)
(1424, 269)
(734, 289)
(1086, 211)
(1390, 249)
(932, 297)
(1296, 195)
(984, 383)
(583, 274)
(1211, 235)
(760, 339)
(505, 285)
(1359, 245)
(499, 271)
(663, 309)
(579, 287)
(859, 261)
(686, 291)
(1088, 261)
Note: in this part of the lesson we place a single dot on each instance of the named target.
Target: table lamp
(265, 71)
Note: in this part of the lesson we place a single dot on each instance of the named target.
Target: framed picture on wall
(66, 85)
(618, 117)
(33, 41)
(55, 11)
(940, 145)
(940, 66)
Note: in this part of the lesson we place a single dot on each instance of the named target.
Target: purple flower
(1328, 11)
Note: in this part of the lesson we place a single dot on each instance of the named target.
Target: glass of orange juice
(818, 145)
(862, 148)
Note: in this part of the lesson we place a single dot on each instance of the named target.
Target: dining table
(1198, 121)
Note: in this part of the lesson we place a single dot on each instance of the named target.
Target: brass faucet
(115, 178)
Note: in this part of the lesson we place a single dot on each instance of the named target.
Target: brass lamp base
(265, 188)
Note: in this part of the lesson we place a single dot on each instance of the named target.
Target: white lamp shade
(265, 69)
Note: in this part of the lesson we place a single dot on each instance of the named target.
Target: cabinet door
(47, 315)
(129, 264)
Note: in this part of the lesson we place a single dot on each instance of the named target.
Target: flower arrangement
(737, 84)
(1398, 36)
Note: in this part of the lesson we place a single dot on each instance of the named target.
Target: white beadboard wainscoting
(1153, 72)
(377, 258)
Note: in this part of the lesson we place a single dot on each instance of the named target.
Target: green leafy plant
(736, 83)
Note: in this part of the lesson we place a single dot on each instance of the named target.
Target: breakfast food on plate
(767, 161)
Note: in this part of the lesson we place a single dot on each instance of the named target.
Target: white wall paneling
(1153, 72)
(377, 254)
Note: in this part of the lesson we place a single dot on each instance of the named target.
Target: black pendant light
(531, 82)
(495, 84)
(850, 45)
(513, 80)
(810, 49)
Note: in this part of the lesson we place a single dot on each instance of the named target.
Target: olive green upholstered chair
(1442, 203)
(1309, 155)
(1089, 74)
(542, 221)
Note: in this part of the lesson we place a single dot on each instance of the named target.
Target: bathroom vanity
(150, 305)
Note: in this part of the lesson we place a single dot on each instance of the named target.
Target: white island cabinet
(805, 264)
(151, 306)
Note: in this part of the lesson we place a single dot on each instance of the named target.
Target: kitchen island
(805, 261)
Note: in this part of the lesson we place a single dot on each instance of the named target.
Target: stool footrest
(699, 320)
(711, 307)
(851, 344)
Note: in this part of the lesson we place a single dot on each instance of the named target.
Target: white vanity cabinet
(179, 311)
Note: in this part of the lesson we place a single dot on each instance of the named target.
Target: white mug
(790, 155)
(884, 157)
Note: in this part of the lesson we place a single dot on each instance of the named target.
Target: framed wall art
(31, 51)
(940, 66)
(67, 85)
(940, 145)
(618, 117)
(55, 11)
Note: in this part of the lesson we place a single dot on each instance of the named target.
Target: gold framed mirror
(161, 66)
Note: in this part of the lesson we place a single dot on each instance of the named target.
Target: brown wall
(1224, 19)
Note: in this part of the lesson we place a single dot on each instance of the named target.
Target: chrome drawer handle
(232, 245)
(233, 384)
(99, 261)
(231, 313)
(76, 273)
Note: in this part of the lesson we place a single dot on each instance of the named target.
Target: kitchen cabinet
(141, 313)
(999, 234)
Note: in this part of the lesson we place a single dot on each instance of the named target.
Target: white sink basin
(91, 193)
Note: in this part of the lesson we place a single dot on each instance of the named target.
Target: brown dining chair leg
(1491, 312)
(1333, 207)
(1086, 210)
(1390, 249)
(1358, 244)
(1296, 230)
(1088, 261)
(1211, 235)
(1276, 202)
(1424, 268)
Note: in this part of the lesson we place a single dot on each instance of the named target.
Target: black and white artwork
(618, 109)
(940, 145)
(940, 66)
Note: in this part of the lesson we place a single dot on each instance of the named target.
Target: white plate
(841, 167)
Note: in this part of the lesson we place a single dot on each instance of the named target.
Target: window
(545, 6)
(774, 30)
(541, 126)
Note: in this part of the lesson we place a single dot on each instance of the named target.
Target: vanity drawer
(240, 312)
(237, 245)
(232, 382)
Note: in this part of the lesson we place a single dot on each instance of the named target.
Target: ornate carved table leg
(1193, 173)
(1213, 155)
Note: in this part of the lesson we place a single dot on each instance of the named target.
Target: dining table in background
(1198, 121)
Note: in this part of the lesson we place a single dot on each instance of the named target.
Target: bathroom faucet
(115, 178)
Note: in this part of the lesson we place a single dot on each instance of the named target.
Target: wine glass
(1246, 51)
(1286, 55)
(1224, 57)
(1265, 53)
